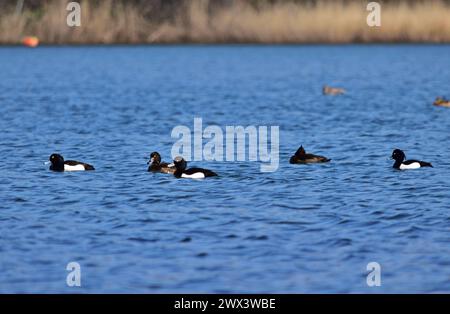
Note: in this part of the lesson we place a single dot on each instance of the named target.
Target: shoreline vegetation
(227, 21)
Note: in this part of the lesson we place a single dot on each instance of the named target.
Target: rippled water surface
(307, 228)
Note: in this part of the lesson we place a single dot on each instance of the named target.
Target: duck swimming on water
(155, 164)
(327, 90)
(192, 173)
(441, 102)
(402, 164)
(301, 157)
(59, 164)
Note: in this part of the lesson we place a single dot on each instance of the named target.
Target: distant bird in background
(441, 102)
(327, 90)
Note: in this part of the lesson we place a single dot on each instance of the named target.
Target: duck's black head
(56, 159)
(155, 157)
(180, 163)
(57, 162)
(398, 155)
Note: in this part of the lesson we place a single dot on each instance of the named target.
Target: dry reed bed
(327, 22)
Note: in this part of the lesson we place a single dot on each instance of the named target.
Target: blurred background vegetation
(224, 21)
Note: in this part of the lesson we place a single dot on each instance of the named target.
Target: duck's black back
(421, 163)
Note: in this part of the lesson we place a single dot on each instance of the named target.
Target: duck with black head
(402, 164)
(59, 164)
(155, 164)
(191, 173)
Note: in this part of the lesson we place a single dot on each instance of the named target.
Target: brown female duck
(301, 157)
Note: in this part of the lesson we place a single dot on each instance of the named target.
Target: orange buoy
(30, 41)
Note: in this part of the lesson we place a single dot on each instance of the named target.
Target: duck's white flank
(74, 168)
(414, 165)
(197, 175)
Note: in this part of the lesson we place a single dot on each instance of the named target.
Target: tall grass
(109, 22)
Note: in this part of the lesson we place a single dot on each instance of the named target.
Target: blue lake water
(310, 228)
